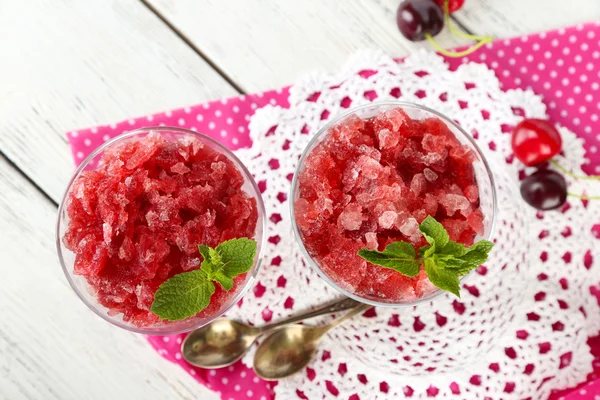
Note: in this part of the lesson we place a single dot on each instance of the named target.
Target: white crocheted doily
(521, 327)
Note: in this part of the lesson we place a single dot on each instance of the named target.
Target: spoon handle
(331, 308)
(338, 321)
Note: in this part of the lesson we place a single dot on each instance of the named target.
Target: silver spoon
(289, 349)
(224, 341)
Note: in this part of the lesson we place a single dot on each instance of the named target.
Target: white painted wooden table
(67, 64)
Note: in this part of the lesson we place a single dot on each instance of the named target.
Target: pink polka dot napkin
(562, 65)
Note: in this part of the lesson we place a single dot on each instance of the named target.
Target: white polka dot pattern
(527, 64)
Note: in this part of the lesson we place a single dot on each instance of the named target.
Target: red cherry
(544, 190)
(453, 5)
(415, 18)
(535, 141)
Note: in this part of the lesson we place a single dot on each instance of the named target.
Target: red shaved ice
(136, 220)
(371, 182)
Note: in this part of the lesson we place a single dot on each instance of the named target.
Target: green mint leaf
(462, 260)
(215, 257)
(442, 278)
(448, 261)
(427, 251)
(445, 260)
(456, 267)
(207, 264)
(462, 270)
(478, 253)
(228, 260)
(223, 279)
(399, 256)
(423, 250)
(237, 256)
(183, 295)
(434, 232)
(186, 294)
(430, 251)
(453, 248)
(401, 248)
(483, 246)
(205, 251)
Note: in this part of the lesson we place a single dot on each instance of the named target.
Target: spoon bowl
(224, 341)
(289, 349)
(286, 351)
(219, 343)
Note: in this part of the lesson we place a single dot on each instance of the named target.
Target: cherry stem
(572, 175)
(581, 177)
(583, 196)
(481, 40)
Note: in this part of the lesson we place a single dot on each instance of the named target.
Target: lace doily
(522, 324)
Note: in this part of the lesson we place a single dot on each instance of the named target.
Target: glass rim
(322, 131)
(229, 153)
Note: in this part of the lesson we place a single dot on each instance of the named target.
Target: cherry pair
(417, 18)
(423, 19)
(534, 142)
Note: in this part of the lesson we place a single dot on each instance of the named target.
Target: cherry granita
(371, 182)
(137, 219)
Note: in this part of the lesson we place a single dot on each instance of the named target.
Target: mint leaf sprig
(444, 260)
(186, 294)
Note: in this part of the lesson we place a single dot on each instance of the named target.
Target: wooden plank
(73, 64)
(51, 345)
(508, 18)
(265, 44)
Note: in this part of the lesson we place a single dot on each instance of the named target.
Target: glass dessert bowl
(134, 214)
(369, 178)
